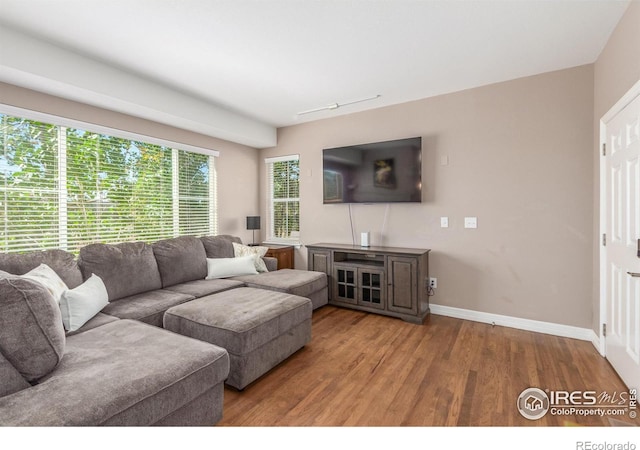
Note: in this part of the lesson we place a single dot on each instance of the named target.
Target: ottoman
(258, 328)
(304, 283)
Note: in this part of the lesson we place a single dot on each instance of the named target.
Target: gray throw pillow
(32, 337)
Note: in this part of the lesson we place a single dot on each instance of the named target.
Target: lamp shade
(253, 222)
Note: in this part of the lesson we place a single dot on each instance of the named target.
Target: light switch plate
(471, 222)
(444, 222)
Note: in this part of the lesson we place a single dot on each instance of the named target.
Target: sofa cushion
(293, 281)
(63, 263)
(148, 307)
(126, 269)
(220, 246)
(180, 260)
(32, 337)
(200, 288)
(97, 321)
(122, 373)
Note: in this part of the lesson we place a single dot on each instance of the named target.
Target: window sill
(296, 244)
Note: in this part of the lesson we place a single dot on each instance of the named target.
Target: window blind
(29, 184)
(118, 190)
(283, 174)
(195, 199)
(65, 188)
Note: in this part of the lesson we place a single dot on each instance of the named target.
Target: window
(29, 170)
(283, 174)
(63, 187)
(196, 183)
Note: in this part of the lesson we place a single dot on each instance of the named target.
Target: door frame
(619, 106)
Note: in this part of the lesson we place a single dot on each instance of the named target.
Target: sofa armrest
(271, 263)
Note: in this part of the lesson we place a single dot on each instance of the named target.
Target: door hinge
(604, 239)
(604, 329)
(604, 149)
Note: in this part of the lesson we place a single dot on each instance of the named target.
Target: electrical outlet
(471, 222)
(433, 283)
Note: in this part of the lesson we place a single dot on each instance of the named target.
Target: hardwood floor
(368, 370)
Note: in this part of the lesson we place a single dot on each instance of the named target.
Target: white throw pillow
(81, 304)
(230, 267)
(257, 251)
(47, 277)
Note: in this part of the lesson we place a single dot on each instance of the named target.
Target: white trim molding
(96, 128)
(555, 329)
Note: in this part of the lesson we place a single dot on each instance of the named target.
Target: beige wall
(616, 71)
(237, 166)
(522, 158)
(519, 158)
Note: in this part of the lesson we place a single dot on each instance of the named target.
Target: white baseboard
(555, 329)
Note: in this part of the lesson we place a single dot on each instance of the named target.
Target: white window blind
(29, 188)
(283, 218)
(65, 188)
(196, 199)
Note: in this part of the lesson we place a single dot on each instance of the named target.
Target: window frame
(62, 123)
(271, 202)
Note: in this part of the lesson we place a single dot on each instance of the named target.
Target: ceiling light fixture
(338, 105)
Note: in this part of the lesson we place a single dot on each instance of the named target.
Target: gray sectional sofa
(123, 367)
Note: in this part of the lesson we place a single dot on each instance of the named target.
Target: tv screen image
(378, 172)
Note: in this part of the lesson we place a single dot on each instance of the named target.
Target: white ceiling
(263, 61)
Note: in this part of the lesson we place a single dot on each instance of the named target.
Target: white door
(622, 260)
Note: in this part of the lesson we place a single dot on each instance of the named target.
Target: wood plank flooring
(368, 370)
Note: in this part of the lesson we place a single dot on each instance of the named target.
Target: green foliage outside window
(65, 188)
(286, 199)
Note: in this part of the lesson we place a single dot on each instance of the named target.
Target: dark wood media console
(383, 280)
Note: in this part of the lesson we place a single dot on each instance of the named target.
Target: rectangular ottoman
(258, 328)
(304, 283)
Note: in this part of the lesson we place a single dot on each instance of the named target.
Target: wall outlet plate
(471, 222)
(444, 222)
(433, 283)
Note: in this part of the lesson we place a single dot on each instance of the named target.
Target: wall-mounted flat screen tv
(379, 172)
